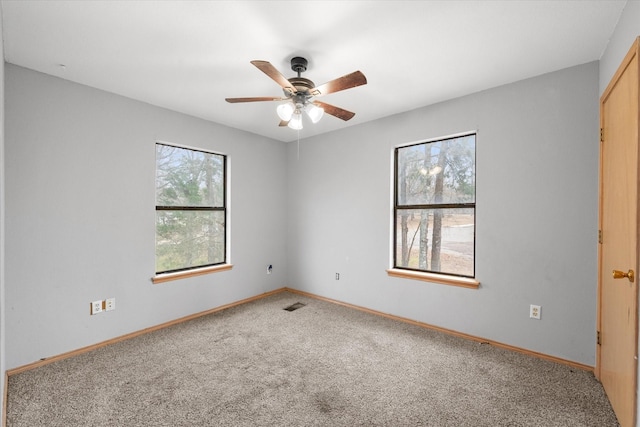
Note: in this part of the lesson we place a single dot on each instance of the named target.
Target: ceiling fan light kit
(314, 112)
(300, 94)
(296, 121)
(285, 111)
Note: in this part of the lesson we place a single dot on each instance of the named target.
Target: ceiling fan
(300, 94)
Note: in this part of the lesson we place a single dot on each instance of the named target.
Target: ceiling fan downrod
(299, 64)
(302, 85)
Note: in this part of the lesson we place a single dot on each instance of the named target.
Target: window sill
(167, 277)
(443, 279)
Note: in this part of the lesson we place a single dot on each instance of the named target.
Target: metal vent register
(295, 306)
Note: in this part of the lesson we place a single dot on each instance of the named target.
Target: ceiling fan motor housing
(302, 84)
(299, 64)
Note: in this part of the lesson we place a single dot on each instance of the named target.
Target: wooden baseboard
(89, 348)
(82, 350)
(449, 331)
(4, 399)
(86, 349)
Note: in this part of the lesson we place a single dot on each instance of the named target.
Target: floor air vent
(295, 306)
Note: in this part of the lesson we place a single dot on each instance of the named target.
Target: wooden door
(616, 364)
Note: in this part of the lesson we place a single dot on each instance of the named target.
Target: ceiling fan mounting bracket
(298, 64)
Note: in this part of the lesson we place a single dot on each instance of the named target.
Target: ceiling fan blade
(283, 123)
(254, 99)
(341, 83)
(338, 112)
(275, 75)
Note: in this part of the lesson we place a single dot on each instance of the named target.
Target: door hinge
(601, 135)
(600, 236)
(599, 339)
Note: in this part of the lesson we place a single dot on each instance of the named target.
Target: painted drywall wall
(80, 218)
(2, 228)
(536, 220)
(627, 30)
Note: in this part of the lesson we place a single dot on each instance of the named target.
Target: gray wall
(537, 201)
(2, 232)
(627, 30)
(80, 170)
(79, 215)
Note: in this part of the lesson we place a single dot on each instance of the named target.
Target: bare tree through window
(190, 208)
(435, 206)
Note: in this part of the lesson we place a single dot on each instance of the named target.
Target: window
(190, 209)
(434, 212)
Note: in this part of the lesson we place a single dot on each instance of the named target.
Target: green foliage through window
(190, 208)
(435, 206)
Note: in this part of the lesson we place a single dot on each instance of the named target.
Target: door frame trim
(633, 52)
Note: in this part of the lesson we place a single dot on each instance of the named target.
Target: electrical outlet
(337, 276)
(96, 307)
(110, 304)
(535, 311)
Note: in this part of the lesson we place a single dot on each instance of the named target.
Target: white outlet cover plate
(110, 304)
(96, 307)
(535, 311)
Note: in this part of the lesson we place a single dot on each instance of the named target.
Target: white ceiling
(188, 56)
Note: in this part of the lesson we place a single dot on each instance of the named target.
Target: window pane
(436, 240)
(186, 239)
(188, 177)
(437, 172)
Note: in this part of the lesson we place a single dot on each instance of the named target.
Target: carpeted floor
(321, 365)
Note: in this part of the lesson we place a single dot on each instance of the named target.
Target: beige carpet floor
(320, 365)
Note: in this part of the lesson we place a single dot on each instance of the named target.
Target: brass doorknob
(617, 274)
